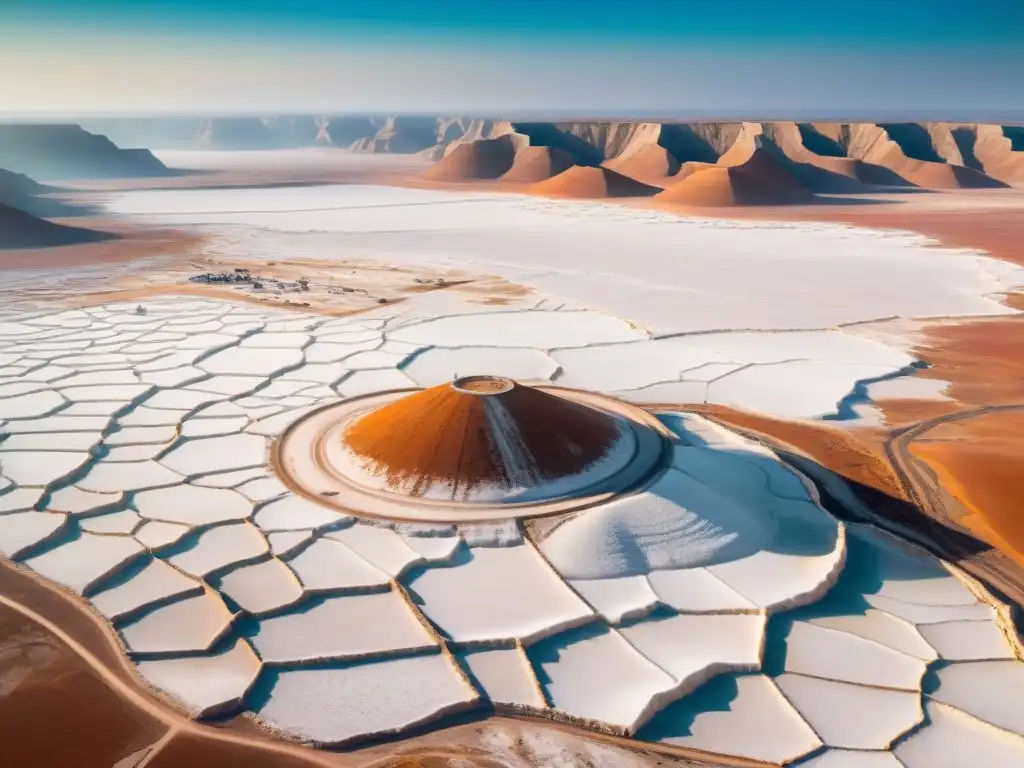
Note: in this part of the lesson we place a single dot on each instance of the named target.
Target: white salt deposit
(696, 590)
(192, 505)
(954, 740)
(219, 547)
(876, 625)
(677, 523)
(438, 365)
(285, 542)
(989, 690)
(629, 597)
(694, 648)
(848, 758)
(294, 513)
(327, 565)
(967, 640)
(123, 522)
(155, 583)
(381, 547)
(338, 705)
(504, 676)
(541, 330)
(154, 534)
(630, 366)
(349, 627)
(41, 467)
(575, 250)
(192, 624)
(475, 599)
(743, 715)
(86, 560)
(251, 362)
(217, 454)
(821, 652)
(208, 684)
(110, 477)
(20, 531)
(628, 690)
(852, 716)
(263, 587)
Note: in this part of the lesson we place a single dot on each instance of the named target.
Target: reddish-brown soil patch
(190, 750)
(980, 462)
(55, 711)
(858, 458)
(448, 438)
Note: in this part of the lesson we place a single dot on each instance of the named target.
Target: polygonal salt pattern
(292, 513)
(504, 676)
(262, 587)
(954, 739)
(338, 705)
(629, 690)
(338, 628)
(219, 547)
(329, 566)
(192, 505)
(146, 586)
(203, 455)
(991, 691)
(206, 684)
(22, 531)
(193, 624)
(852, 716)
(190, 389)
(474, 599)
(742, 715)
(85, 560)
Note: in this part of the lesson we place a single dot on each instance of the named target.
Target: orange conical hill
(454, 440)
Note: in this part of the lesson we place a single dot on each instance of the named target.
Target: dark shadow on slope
(819, 143)
(684, 144)
(1015, 133)
(549, 135)
(914, 140)
(965, 139)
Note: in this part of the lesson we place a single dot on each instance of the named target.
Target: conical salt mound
(484, 438)
(480, 159)
(598, 183)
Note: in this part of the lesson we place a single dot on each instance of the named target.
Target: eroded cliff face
(915, 152)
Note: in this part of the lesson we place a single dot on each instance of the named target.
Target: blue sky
(648, 57)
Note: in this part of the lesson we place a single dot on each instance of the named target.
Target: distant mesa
(597, 183)
(19, 229)
(68, 152)
(481, 159)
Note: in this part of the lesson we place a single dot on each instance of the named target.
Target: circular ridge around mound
(312, 459)
(497, 442)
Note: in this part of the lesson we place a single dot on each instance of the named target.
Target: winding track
(945, 536)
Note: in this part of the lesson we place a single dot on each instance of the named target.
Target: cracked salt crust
(163, 612)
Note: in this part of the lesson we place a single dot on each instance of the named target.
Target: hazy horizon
(697, 59)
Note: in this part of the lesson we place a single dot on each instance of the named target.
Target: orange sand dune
(759, 180)
(481, 159)
(942, 176)
(650, 164)
(586, 182)
(22, 230)
(534, 164)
